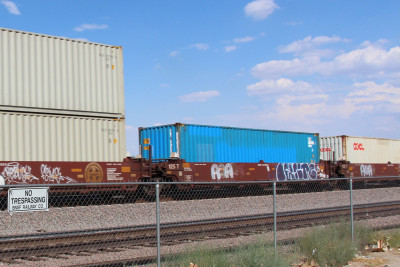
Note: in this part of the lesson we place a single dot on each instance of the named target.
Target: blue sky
(331, 67)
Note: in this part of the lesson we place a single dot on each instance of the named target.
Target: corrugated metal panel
(200, 143)
(49, 74)
(360, 149)
(29, 137)
(331, 148)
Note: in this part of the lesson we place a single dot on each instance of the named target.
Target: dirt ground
(390, 258)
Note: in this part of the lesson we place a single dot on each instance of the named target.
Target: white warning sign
(28, 199)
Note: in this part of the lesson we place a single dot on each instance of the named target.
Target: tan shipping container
(360, 149)
(46, 74)
(33, 137)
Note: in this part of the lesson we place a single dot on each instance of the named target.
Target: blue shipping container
(202, 143)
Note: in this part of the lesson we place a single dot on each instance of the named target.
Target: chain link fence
(172, 224)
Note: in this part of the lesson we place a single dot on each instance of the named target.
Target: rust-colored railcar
(67, 173)
(111, 176)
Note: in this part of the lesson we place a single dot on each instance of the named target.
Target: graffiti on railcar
(366, 170)
(50, 174)
(298, 171)
(222, 171)
(13, 172)
(16, 173)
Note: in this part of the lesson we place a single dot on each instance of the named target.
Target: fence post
(351, 210)
(275, 238)
(158, 224)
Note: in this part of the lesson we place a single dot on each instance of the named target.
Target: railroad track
(33, 246)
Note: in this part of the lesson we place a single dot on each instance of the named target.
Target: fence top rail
(354, 179)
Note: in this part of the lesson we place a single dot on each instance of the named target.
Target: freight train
(69, 128)
(210, 154)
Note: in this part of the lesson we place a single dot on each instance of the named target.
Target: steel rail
(52, 244)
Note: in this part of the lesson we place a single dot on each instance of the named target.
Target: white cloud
(260, 9)
(371, 61)
(230, 48)
(276, 68)
(267, 87)
(302, 111)
(386, 95)
(85, 27)
(302, 107)
(199, 96)
(379, 43)
(244, 39)
(309, 43)
(11, 7)
(200, 46)
(372, 88)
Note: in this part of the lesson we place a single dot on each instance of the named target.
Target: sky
(330, 67)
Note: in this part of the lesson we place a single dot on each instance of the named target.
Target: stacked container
(203, 143)
(60, 99)
(360, 149)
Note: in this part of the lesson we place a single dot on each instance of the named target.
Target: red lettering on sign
(358, 146)
(327, 149)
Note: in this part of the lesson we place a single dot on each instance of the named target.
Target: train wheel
(148, 191)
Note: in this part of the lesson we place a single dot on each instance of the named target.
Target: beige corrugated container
(47, 74)
(33, 137)
(360, 149)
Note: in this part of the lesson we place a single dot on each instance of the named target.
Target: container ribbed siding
(47, 74)
(360, 149)
(33, 137)
(202, 143)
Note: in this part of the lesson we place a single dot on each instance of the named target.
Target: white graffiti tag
(14, 173)
(297, 171)
(366, 170)
(54, 175)
(221, 171)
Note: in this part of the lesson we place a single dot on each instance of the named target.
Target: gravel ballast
(119, 215)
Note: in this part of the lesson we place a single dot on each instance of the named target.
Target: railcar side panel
(62, 172)
(367, 170)
(244, 172)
